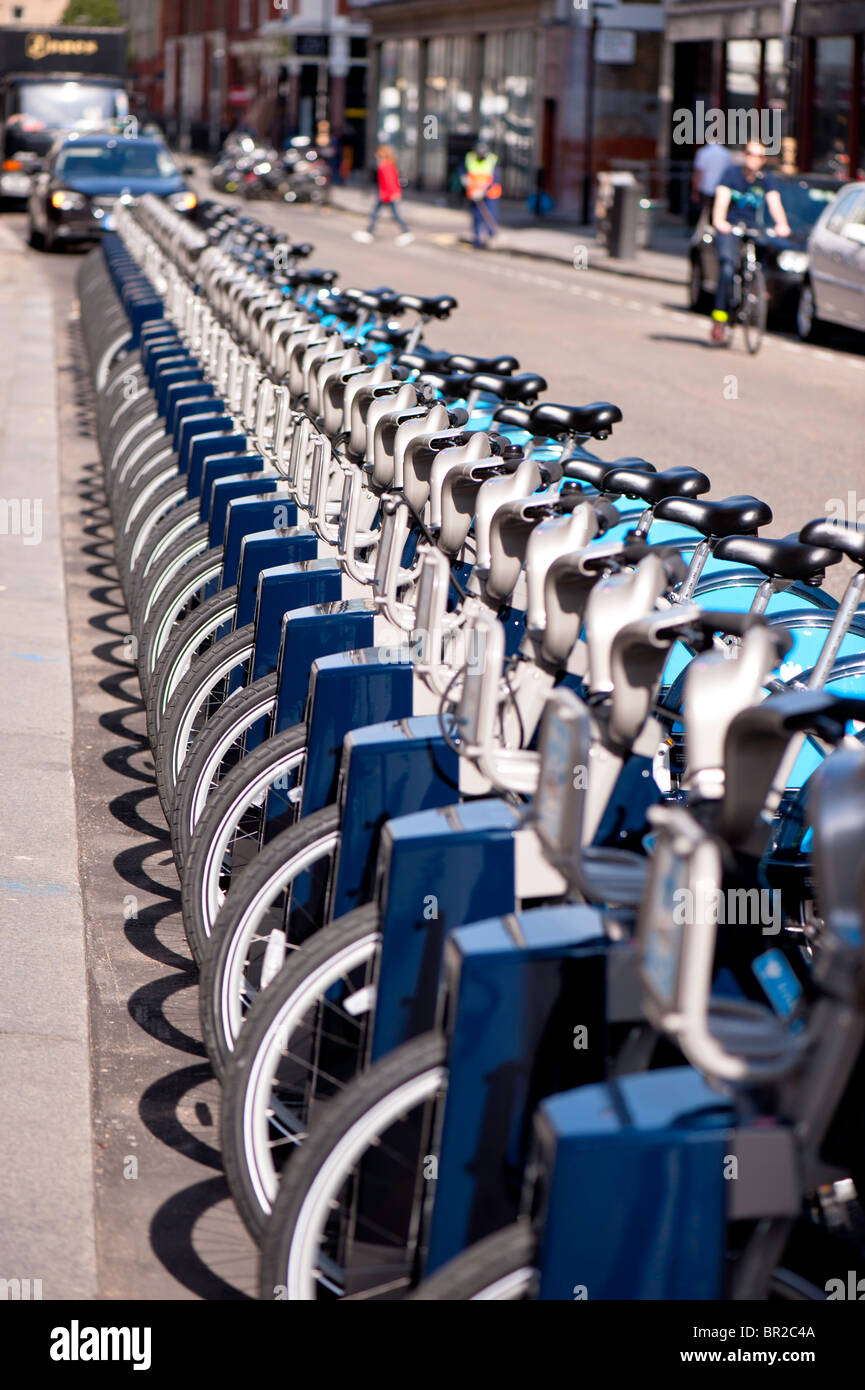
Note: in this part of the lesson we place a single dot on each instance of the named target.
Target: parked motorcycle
(253, 170)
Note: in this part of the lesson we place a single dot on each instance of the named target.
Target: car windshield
(803, 203)
(67, 105)
(130, 159)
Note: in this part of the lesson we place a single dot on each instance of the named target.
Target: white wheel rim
(316, 1206)
(211, 897)
(510, 1286)
(152, 522)
(169, 618)
(259, 1086)
(231, 983)
(141, 447)
(202, 786)
(172, 535)
(181, 668)
(145, 495)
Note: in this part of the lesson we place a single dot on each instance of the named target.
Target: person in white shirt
(710, 162)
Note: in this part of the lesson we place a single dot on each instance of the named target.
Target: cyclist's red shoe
(717, 333)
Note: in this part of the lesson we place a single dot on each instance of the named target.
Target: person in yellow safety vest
(483, 189)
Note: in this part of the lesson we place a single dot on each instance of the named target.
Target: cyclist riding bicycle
(740, 192)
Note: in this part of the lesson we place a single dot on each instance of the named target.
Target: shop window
(398, 101)
(507, 107)
(833, 73)
(743, 80)
(448, 115)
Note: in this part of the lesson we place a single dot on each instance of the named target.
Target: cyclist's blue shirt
(745, 198)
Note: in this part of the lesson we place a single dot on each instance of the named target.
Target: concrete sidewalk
(521, 235)
(46, 1143)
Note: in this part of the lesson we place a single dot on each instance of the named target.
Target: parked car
(834, 289)
(85, 176)
(784, 259)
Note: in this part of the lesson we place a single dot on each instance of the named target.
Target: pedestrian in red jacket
(389, 196)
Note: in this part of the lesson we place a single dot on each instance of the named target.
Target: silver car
(834, 290)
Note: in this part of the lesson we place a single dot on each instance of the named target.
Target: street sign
(615, 46)
(311, 45)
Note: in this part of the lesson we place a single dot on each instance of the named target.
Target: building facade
(804, 59)
(36, 12)
(558, 88)
(280, 67)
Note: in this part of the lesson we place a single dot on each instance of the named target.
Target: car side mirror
(854, 231)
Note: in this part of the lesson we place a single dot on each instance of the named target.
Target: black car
(85, 176)
(784, 260)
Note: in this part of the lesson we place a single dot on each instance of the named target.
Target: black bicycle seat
(437, 306)
(779, 559)
(588, 471)
(652, 487)
(453, 384)
(383, 301)
(315, 277)
(523, 388)
(846, 536)
(424, 361)
(499, 366)
(397, 337)
(597, 419)
(518, 416)
(730, 516)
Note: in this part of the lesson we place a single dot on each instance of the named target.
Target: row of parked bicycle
(516, 796)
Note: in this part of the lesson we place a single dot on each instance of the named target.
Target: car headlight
(183, 202)
(67, 201)
(794, 262)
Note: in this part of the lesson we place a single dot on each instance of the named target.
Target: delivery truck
(54, 80)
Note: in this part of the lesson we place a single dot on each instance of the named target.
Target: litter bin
(624, 221)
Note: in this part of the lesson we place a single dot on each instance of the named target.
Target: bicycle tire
(754, 310)
(192, 699)
(133, 546)
(293, 1265)
(231, 801)
(183, 593)
(240, 713)
(194, 635)
(225, 959)
(274, 1024)
(169, 529)
(500, 1267)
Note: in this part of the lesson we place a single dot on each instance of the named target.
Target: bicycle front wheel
(347, 1221)
(754, 311)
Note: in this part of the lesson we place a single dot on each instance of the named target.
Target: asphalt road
(787, 425)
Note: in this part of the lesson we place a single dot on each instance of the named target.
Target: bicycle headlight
(65, 200)
(794, 262)
(183, 202)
